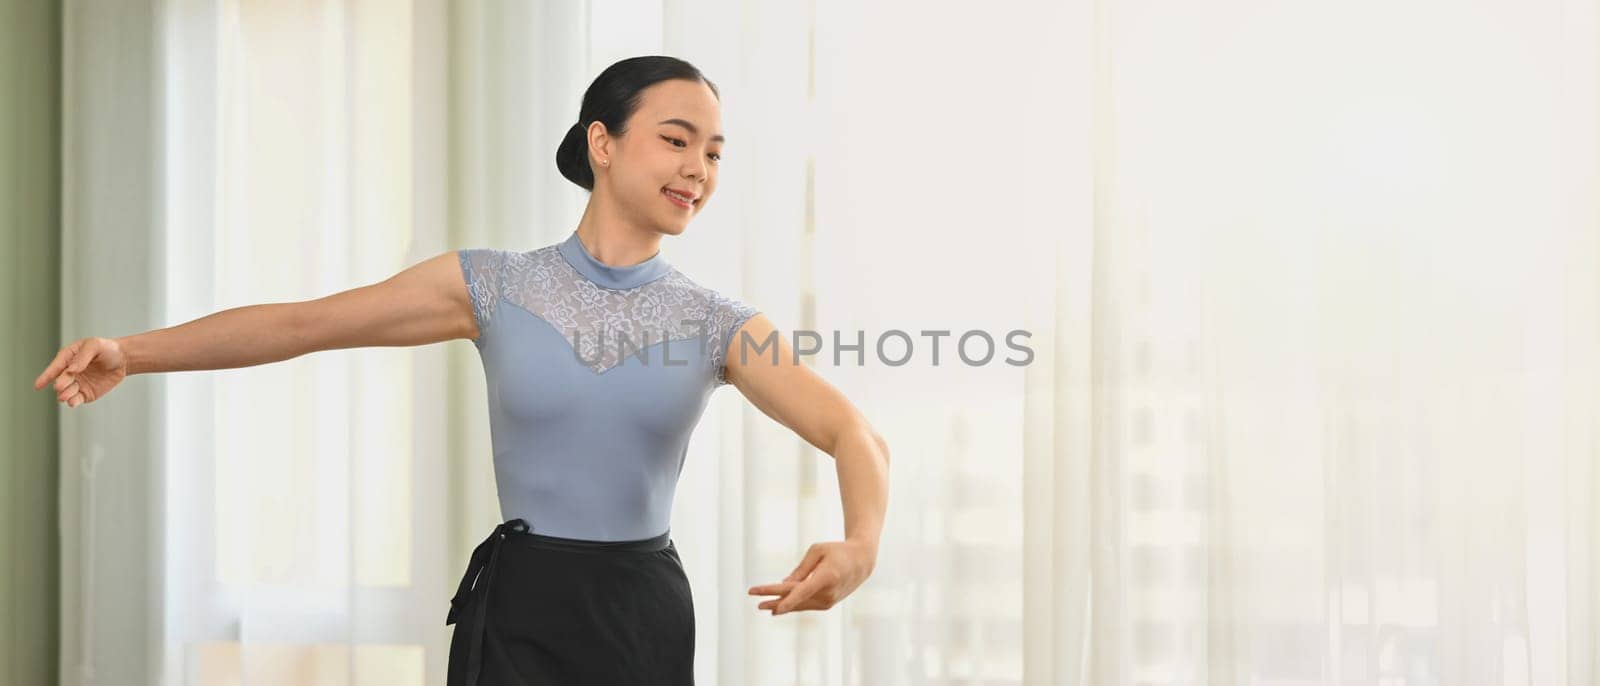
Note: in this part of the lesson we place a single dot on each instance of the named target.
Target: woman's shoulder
(499, 259)
(714, 298)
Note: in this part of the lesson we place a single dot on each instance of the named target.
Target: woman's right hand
(85, 371)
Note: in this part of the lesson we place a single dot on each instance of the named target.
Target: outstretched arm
(795, 396)
(425, 303)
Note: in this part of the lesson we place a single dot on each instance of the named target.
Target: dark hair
(611, 100)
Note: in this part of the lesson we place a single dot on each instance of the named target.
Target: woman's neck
(612, 241)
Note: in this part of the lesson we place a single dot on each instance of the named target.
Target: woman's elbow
(883, 446)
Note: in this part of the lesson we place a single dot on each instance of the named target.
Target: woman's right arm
(425, 303)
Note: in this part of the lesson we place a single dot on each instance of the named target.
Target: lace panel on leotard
(607, 325)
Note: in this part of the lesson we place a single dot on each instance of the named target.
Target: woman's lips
(674, 199)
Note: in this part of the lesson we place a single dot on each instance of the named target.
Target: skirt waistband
(643, 545)
(472, 593)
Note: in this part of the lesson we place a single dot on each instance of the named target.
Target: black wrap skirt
(534, 609)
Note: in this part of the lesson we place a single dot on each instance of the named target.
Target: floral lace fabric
(603, 325)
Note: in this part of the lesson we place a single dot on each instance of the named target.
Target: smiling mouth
(679, 200)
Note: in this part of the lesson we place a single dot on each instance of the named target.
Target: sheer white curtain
(304, 532)
(1342, 389)
(282, 523)
(1315, 290)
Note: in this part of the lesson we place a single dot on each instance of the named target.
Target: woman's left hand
(829, 572)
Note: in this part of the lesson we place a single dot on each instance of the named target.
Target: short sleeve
(727, 316)
(481, 270)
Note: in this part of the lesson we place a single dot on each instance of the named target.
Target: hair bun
(572, 158)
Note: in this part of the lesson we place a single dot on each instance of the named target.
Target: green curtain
(30, 330)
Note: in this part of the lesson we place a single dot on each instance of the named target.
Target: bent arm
(426, 303)
(814, 409)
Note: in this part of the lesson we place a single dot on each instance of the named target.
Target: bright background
(1314, 292)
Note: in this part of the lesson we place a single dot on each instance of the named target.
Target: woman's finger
(800, 594)
(65, 363)
(66, 393)
(58, 363)
(773, 589)
(812, 603)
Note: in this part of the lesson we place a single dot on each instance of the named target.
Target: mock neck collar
(607, 275)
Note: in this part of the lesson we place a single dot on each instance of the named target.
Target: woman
(600, 358)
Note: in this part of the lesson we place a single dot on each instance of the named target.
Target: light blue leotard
(596, 376)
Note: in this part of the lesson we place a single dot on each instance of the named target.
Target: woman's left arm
(762, 366)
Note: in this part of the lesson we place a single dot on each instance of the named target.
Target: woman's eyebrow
(692, 129)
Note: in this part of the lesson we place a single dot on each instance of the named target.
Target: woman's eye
(681, 143)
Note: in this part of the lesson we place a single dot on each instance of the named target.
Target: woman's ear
(599, 143)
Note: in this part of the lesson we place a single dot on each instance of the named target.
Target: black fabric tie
(477, 595)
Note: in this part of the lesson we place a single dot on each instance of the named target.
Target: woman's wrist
(868, 542)
(129, 356)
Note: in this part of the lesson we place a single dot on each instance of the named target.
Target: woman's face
(673, 141)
